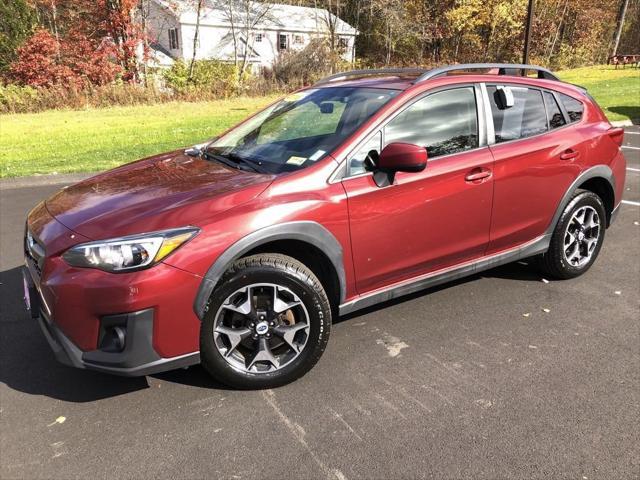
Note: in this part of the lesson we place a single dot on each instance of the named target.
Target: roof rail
(503, 69)
(336, 77)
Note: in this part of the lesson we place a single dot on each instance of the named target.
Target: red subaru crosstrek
(365, 187)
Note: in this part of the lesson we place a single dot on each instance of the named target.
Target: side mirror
(399, 157)
(504, 98)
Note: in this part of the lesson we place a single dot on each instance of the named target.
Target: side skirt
(432, 279)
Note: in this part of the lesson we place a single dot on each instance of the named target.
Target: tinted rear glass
(526, 117)
(556, 119)
(574, 107)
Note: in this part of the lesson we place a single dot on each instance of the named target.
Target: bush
(209, 77)
(298, 68)
(16, 98)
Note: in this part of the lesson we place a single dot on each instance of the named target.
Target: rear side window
(443, 122)
(521, 116)
(574, 107)
(556, 119)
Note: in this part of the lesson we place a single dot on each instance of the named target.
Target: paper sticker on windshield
(296, 160)
(317, 155)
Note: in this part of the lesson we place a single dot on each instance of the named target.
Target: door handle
(569, 154)
(477, 174)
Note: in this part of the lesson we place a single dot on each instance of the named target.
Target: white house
(275, 28)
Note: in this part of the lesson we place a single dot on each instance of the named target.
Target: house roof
(277, 17)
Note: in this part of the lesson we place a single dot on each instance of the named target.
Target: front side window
(574, 107)
(444, 122)
(358, 161)
(518, 112)
(258, 38)
(554, 115)
(300, 129)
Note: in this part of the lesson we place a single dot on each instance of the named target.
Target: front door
(429, 220)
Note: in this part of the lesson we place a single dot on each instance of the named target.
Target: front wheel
(577, 238)
(267, 323)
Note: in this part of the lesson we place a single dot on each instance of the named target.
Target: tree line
(45, 43)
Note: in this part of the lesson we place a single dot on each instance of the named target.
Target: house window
(343, 43)
(298, 39)
(258, 37)
(174, 44)
(282, 42)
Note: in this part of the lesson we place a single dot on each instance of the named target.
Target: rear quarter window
(574, 108)
(554, 114)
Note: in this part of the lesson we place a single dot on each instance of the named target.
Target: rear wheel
(577, 238)
(267, 323)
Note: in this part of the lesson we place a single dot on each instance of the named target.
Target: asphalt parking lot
(499, 375)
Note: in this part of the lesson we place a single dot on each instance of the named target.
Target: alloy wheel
(581, 236)
(261, 328)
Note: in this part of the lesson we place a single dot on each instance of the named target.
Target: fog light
(113, 339)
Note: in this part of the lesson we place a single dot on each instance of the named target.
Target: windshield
(300, 129)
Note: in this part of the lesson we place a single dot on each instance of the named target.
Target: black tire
(283, 271)
(553, 262)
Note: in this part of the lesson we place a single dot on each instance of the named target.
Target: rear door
(536, 154)
(428, 220)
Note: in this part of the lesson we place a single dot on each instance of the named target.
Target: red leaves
(91, 42)
(74, 62)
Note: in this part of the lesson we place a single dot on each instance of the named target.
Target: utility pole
(527, 33)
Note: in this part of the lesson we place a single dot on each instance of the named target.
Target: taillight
(617, 134)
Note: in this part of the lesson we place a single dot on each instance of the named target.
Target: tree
(37, 64)
(195, 37)
(244, 16)
(619, 24)
(120, 24)
(17, 21)
(43, 61)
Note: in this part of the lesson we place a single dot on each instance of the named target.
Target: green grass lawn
(91, 140)
(617, 91)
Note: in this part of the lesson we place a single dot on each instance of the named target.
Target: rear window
(556, 119)
(574, 107)
(522, 115)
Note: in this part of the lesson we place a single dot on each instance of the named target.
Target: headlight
(129, 253)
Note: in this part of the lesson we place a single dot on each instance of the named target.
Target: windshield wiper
(236, 161)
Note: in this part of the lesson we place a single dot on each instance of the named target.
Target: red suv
(364, 187)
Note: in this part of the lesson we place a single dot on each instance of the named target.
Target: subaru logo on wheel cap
(262, 328)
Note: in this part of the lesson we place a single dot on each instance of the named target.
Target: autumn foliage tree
(85, 42)
(75, 61)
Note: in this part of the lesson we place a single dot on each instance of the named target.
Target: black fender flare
(305, 231)
(599, 171)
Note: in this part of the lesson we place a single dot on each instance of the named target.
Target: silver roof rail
(336, 77)
(503, 69)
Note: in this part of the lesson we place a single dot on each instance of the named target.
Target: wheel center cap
(262, 328)
(580, 236)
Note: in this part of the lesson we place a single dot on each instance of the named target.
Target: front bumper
(137, 357)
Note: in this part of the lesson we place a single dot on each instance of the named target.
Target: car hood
(166, 191)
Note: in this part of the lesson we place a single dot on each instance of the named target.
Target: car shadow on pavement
(631, 112)
(28, 365)
(523, 271)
